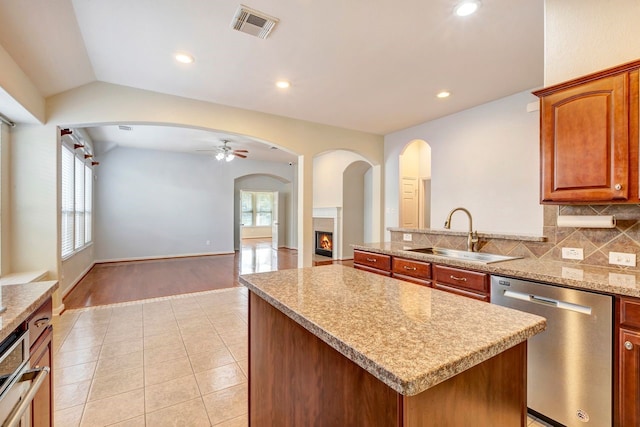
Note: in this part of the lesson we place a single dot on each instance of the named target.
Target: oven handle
(38, 376)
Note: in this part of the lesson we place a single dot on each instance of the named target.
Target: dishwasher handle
(550, 302)
(38, 376)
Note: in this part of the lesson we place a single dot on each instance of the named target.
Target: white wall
(5, 200)
(153, 203)
(353, 207)
(286, 210)
(328, 169)
(484, 159)
(583, 36)
(74, 268)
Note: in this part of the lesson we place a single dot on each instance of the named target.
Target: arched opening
(343, 202)
(415, 185)
(265, 207)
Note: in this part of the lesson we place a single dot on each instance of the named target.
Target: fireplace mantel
(334, 213)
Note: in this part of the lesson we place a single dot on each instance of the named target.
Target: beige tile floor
(176, 361)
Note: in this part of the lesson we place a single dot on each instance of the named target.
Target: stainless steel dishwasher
(569, 365)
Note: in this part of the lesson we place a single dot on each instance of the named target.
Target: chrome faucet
(472, 238)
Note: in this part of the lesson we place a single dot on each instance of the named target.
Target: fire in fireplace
(324, 243)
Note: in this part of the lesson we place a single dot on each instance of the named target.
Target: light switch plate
(407, 237)
(573, 253)
(621, 258)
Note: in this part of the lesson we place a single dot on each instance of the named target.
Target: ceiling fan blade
(240, 151)
(242, 156)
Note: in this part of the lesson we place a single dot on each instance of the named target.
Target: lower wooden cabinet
(627, 351)
(472, 284)
(372, 262)
(42, 355)
(410, 270)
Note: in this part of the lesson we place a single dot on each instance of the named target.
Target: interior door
(274, 221)
(409, 205)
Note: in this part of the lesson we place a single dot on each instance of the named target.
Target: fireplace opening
(324, 243)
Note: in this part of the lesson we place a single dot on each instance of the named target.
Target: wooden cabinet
(372, 262)
(418, 272)
(589, 138)
(627, 397)
(41, 354)
(466, 283)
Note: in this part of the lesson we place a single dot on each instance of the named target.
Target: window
(77, 186)
(257, 208)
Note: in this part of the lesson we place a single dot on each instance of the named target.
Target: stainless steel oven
(18, 383)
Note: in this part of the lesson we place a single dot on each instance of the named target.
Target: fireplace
(324, 243)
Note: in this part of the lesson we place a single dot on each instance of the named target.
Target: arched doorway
(415, 185)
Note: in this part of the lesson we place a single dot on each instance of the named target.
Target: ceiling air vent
(125, 128)
(253, 22)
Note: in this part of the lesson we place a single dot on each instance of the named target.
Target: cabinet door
(585, 142)
(629, 378)
(41, 355)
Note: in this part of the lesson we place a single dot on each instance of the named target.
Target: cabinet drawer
(40, 320)
(378, 261)
(462, 292)
(465, 279)
(410, 267)
(630, 312)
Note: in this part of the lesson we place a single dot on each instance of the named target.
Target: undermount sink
(482, 257)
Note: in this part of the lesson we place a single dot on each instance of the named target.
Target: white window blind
(76, 203)
(67, 201)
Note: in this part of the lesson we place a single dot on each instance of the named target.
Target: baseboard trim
(77, 280)
(150, 258)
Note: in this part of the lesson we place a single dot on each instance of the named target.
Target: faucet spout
(472, 238)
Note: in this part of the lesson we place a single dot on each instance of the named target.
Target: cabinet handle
(628, 345)
(618, 187)
(459, 279)
(42, 322)
(409, 268)
(371, 259)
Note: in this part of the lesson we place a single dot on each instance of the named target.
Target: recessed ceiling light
(467, 8)
(443, 94)
(185, 58)
(283, 84)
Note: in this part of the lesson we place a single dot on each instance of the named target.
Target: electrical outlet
(407, 237)
(573, 253)
(621, 258)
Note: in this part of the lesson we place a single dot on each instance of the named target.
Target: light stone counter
(409, 337)
(607, 280)
(21, 301)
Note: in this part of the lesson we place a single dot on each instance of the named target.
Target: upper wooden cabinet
(589, 138)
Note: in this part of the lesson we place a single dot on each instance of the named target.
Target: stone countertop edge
(597, 279)
(21, 301)
(487, 235)
(421, 381)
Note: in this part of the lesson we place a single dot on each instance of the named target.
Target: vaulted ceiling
(374, 66)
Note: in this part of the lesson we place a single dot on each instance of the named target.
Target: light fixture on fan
(224, 152)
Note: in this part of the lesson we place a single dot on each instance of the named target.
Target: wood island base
(296, 379)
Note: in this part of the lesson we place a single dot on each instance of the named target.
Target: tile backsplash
(595, 242)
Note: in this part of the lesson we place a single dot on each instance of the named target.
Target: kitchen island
(336, 346)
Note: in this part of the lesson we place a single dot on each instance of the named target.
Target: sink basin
(482, 257)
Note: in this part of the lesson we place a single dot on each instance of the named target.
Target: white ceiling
(373, 66)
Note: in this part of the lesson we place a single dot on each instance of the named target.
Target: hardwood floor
(137, 280)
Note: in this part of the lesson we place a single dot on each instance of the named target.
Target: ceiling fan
(224, 152)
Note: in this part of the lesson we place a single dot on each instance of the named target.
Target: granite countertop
(606, 280)
(21, 301)
(409, 337)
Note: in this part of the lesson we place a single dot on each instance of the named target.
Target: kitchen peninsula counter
(409, 339)
(614, 281)
(21, 301)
